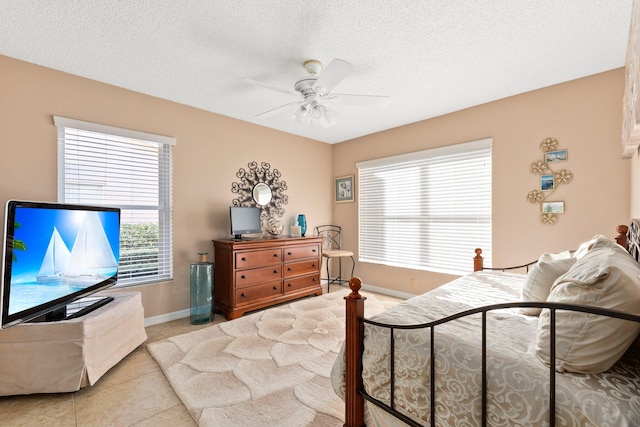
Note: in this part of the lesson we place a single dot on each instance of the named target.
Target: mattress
(518, 382)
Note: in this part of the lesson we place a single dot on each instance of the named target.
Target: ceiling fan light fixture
(301, 116)
(314, 93)
(318, 111)
(315, 114)
(329, 118)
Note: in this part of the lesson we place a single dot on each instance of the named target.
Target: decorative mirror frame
(255, 175)
(549, 181)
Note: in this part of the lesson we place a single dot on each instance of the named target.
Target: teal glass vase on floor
(201, 290)
(302, 222)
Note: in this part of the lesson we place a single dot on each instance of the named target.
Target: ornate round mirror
(262, 194)
(261, 186)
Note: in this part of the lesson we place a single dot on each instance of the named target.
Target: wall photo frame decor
(550, 180)
(345, 189)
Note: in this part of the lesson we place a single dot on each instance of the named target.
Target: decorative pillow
(606, 276)
(540, 278)
(585, 246)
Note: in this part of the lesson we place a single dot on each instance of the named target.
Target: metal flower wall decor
(550, 180)
(246, 191)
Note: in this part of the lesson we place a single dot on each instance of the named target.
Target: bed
(554, 343)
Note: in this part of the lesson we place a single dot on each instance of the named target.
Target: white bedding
(518, 380)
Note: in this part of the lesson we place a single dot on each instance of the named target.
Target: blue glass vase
(201, 291)
(302, 222)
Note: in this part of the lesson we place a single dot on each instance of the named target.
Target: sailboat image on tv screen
(91, 257)
(56, 259)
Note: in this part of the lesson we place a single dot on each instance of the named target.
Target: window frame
(163, 208)
(409, 219)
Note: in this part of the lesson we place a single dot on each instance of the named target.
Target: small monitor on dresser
(244, 220)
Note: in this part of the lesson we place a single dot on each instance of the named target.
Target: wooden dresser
(253, 274)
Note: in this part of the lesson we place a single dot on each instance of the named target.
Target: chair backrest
(330, 236)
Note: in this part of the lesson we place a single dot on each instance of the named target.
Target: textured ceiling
(431, 57)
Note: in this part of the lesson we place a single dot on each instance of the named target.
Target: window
(427, 210)
(103, 165)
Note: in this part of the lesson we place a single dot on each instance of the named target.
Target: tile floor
(135, 392)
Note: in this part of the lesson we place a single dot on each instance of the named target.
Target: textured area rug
(269, 368)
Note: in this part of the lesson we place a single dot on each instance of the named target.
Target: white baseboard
(385, 291)
(156, 320)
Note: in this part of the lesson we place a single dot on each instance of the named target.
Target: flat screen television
(55, 255)
(244, 220)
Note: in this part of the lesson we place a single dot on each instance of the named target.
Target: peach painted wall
(586, 117)
(209, 151)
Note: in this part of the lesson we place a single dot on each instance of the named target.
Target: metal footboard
(553, 307)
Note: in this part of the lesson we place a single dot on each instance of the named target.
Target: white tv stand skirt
(64, 356)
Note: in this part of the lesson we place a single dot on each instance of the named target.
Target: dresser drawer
(301, 267)
(258, 275)
(291, 285)
(293, 253)
(251, 274)
(258, 258)
(253, 293)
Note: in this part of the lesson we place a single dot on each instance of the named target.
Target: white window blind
(427, 210)
(104, 165)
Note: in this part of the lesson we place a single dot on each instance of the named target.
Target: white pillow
(556, 256)
(585, 246)
(540, 278)
(606, 276)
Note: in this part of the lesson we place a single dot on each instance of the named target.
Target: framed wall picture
(547, 182)
(556, 156)
(344, 189)
(553, 207)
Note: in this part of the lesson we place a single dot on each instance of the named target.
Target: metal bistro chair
(331, 250)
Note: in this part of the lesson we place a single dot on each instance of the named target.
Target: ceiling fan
(315, 97)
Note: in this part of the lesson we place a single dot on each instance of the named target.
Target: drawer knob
(314, 250)
(243, 295)
(275, 255)
(289, 253)
(289, 285)
(315, 280)
(313, 265)
(289, 269)
(243, 277)
(275, 271)
(244, 259)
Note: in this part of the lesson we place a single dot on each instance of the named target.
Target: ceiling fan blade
(336, 71)
(276, 110)
(366, 101)
(268, 86)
